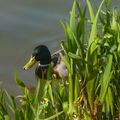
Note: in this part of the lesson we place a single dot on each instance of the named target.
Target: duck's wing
(60, 68)
(56, 56)
(58, 52)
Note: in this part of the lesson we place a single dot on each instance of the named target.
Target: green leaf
(92, 43)
(79, 9)
(20, 84)
(74, 56)
(90, 11)
(65, 61)
(72, 18)
(79, 47)
(65, 106)
(12, 104)
(54, 116)
(50, 71)
(90, 86)
(108, 35)
(109, 100)
(37, 93)
(69, 44)
(105, 80)
(94, 25)
(115, 20)
(50, 93)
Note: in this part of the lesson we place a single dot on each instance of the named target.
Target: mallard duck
(42, 56)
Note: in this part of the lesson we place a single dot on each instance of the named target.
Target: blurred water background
(25, 24)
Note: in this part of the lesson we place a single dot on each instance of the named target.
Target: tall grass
(92, 90)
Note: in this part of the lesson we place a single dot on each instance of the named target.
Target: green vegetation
(93, 60)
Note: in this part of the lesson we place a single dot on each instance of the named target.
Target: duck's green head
(40, 54)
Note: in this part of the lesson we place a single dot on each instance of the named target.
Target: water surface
(25, 24)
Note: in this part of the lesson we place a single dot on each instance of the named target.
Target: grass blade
(54, 116)
(90, 11)
(20, 83)
(72, 18)
(94, 26)
(106, 79)
(37, 93)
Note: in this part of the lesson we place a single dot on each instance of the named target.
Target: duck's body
(42, 56)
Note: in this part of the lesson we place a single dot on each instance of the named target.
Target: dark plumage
(42, 56)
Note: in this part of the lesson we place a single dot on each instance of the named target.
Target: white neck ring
(41, 65)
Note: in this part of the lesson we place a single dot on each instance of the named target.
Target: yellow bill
(30, 63)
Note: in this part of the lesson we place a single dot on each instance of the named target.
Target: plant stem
(70, 95)
(71, 90)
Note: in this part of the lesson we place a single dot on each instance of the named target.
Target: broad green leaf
(107, 35)
(76, 89)
(36, 97)
(110, 100)
(51, 93)
(72, 18)
(11, 103)
(65, 106)
(108, 103)
(74, 56)
(54, 116)
(90, 86)
(102, 19)
(65, 61)
(80, 26)
(92, 43)
(7, 117)
(71, 66)
(90, 11)
(94, 25)
(79, 9)
(115, 19)
(108, 17)
(68, 42)
(71, 91)
(105, 80)
(50, 71)
(63, 46)
(20, 84)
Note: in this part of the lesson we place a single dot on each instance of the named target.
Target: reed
(92, 90)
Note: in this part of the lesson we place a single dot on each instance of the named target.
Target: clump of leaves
(93, 72)
(93, 62)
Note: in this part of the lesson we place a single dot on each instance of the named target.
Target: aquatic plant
(92, 57)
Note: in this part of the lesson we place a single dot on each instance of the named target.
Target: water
(25, 24)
